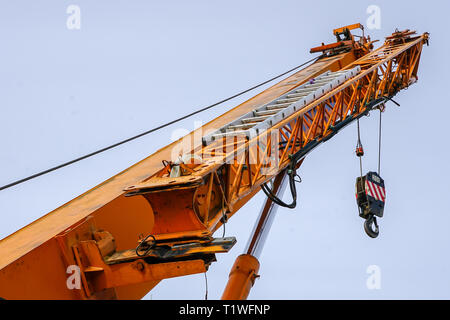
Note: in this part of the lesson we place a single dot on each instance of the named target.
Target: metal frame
(385, 72)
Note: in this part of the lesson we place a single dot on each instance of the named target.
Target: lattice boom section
(264, 117)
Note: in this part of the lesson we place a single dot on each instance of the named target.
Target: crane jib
(177, 213)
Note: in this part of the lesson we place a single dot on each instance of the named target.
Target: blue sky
(134, 65)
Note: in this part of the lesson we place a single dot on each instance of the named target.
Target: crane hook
(371, 220)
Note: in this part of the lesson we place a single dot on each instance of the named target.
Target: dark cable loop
(152, 130)
(144, 241)
(291, 172)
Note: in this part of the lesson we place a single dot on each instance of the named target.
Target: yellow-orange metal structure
(242, 277)
(98, 231)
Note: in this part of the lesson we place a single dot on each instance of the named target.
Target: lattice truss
(234, 167)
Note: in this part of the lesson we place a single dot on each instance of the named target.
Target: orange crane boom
(156, 219)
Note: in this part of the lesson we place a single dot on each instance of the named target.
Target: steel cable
(154, 129)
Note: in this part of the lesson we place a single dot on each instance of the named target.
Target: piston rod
(246, 267)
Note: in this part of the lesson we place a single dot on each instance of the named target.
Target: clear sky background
(134, 65)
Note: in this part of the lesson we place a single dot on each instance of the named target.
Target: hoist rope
(206, 286)
(379, 145)
(154, 129)
(224, 217)
(359, 144)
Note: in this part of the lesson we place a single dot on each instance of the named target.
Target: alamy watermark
(74, 279)
(73, 21)
(374, 19)
(261, 147)
(373, 282)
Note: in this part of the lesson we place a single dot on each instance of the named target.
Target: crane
(156, 219)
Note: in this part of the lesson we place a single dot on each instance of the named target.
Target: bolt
(140, 266)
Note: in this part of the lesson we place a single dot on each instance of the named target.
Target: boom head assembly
(346, 42)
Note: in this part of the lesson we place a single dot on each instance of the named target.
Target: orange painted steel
(349, 28)
(242, 277)
(145, 200)
(385, 72)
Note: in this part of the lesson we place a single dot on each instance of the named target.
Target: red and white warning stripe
(375, 191)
